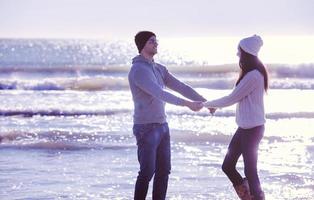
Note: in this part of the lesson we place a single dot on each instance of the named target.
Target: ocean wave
(115, 111)
(82, 83)
(222, 70)
(188, 137)
(62, 140)
(298, 179)
(229, 113)
(282, 115)
(62, 145)
(291, 83)
(30, 113)
(66, 140)
(121, 83)
(299, 71)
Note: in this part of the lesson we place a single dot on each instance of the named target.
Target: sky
(168, 18)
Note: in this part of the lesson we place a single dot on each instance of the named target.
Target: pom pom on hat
(251, 44)
(141, 39)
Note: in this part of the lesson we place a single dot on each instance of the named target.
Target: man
(147, 81)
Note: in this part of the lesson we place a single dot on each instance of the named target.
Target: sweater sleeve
(180, 87)
(142, 78)
(244, 88)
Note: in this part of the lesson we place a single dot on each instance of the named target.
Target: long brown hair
(248, 63)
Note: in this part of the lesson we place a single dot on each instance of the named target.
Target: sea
(66, 123)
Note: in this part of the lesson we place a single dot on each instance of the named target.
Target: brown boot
(243, 190)
(261, 196)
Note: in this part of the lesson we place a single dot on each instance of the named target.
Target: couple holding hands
(148, 80)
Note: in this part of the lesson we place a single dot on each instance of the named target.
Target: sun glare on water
(222, 50)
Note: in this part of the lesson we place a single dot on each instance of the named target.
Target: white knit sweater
(249, 96)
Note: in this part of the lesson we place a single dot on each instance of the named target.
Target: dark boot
(261, 196)
(243, 190)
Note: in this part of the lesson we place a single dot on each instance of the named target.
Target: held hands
(197, 106)
(212, 110)
(194, 105)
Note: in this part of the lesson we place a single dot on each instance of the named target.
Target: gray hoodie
(147, 82)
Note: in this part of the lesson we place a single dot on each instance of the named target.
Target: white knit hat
(251, 44)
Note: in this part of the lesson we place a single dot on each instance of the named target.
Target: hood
(140, 59)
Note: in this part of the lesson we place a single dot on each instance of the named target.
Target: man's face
(151, 46)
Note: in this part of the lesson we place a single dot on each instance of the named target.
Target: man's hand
(194, 105)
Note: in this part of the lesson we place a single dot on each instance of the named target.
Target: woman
(250, 118)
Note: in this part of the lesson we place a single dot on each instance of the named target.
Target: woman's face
(239, 52)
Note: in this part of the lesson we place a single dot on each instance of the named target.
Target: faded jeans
(153, 141)
(245, 142)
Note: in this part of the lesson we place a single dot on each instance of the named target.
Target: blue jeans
(153, 141)
(245, 142)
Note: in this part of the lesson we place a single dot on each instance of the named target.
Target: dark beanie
(141, 39)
